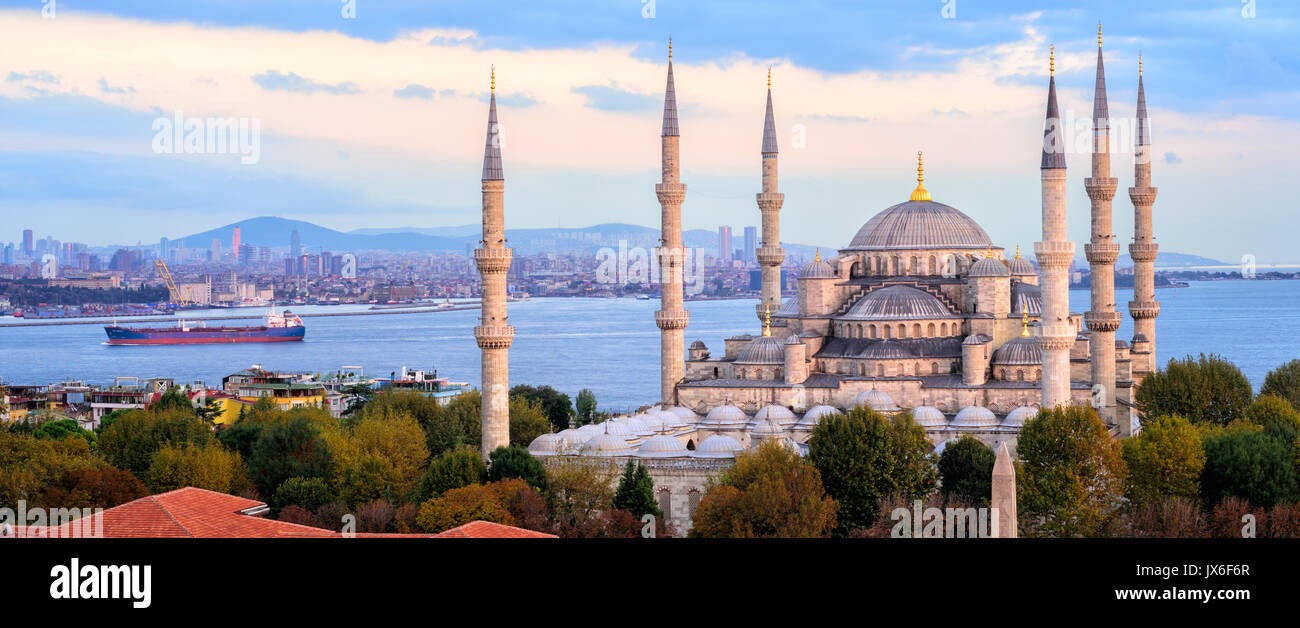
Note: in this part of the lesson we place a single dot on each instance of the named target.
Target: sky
(369, 113)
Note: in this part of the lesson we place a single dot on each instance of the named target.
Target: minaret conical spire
(1053, 139)
(1143, 121)
(1100, 112)
(492, 146)
(769, 121)
(670, 99)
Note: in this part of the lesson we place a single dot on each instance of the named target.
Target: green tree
(1254, 465)
(131, 441)
(769, 492)
(1270, 410)
(864, 456)
(454, 469)
(1071, 476)
(1284, 382)
(29, 466)
(395, 447)
(1207, 389)
(966, 467)
(516, 462)
(636, 492)
(556, 405)
(209, 466)
(586, 405)
(294, 448)
(173, 399)
(1165, 460)
(306, 493)
(61, 429)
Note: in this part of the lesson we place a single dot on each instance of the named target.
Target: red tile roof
(198, 513)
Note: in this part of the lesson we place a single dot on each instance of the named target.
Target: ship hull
(210, 335)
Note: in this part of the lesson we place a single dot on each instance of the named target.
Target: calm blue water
(608, 345)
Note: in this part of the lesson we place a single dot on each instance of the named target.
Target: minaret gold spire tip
(1139, 64)
(1052, 60)
(494, 79)
(670, 49)
(1098, 34)
(769, 77)
(920, 193)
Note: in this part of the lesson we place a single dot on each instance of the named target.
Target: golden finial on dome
(1051, 67)
(494, 79)
(818, 256)
(920, 194)
(988, 251)
(767, 320)
(1024, 324)
(1017, 251)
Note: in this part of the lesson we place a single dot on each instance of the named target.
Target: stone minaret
(672, 316)
(1103, 319)
(770, 255)
(494, 335)
(1143, 308)
(1055, 254)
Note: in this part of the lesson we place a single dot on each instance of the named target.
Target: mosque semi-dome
(877, 400)
(545, 444)
(895, 303)
(725, 414)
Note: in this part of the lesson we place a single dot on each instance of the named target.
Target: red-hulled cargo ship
(277, 328)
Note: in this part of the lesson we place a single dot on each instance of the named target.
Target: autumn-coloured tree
(102, 487)
(1170, 516)
(769, 492)
(209, 466)
(1070, 479)
(578, 494)
(458, 506)
(1164, 461)
(1284, 382)
(29, 466)
(132, 440)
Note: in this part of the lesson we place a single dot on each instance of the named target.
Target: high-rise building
(162, 248)
(9, 254)
(751, 243)
(295, 245)
(234, 242)
(724, 244)
(215, 253)
(28, 245)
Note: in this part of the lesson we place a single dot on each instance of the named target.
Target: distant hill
(1164, 260)
(275, 233)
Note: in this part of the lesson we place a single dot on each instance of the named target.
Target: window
(666, 502)
(929, 330)
(693, 499)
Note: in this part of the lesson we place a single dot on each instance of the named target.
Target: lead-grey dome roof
(1021, 266)
(1026, 298)
(763, 350)
(988, 267)
(920, 225)
(895, 303)
(816, 269)
(1018, 351)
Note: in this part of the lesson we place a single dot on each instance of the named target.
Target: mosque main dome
(920, 224)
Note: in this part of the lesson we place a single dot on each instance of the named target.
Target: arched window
(715, 372)
(887, 329)
(666, 502)
(934, 265)
(692, 499)
(880, 370)
(916, 330)
(929, 330)
(872, 330)
(934, 368)
(902, 330)
(943, 329)
(1020, 375)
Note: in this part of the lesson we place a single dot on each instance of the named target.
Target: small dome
(929, 416)
(767, 427)
(545, 445)
(1120, 344)
(793, 339)
(877, 400)
(570, 440)
(698, 344)
(781, 414)
(606, 445)
(896, 303)
(1140, 338)
(662, 446)
(976, 339)
(815, 414)
(636, 424)
(975, 416)
(718, 446)
(1020, 350)
(1021, 267)
(817, 269)
(616, 427)
(656, 420)
(988, 267)
(762, 350)
(725, 415)
(587, 431)
(1016, 418)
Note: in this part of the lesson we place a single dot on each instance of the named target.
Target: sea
(610, 346)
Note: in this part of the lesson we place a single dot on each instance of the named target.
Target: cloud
(1171, 158)
(291, 82)
(38, 76)
(515, 99)
(612, 98)
(107, 89)
(414, 91)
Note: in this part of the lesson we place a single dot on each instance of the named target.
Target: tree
(103, 487)
(1071, 476)
(586, 407)
(769, 492)
(358, 396)
(1208, 389)
(1164, 461)
(636, 492)
(454, 469)
(556, 405)
(578, 493)
(1258, 466)
(173, 399)
(458, 506)
(209, 466)
(863, 456)
(516, 462)
(966, 467)
(61, 429)
(1284, 382)
(131, 441)
(28, 466)
(307, 493)
(294, 448)
(396, 440)
(1269, 410)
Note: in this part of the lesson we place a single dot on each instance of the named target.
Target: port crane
(179, 298)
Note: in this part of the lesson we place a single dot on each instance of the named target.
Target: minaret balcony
(1101, 252)
(493, 260)
(1054, 254)
(1101, 188)
(672, 320)
(770, 255)
(1102, 321)
(770, 201)
(494, 336)
(670, 193)
(1143, 309)
(1143, 252)
(1142, 197)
